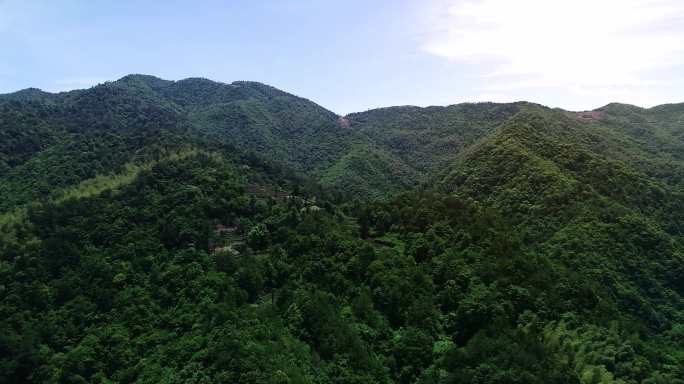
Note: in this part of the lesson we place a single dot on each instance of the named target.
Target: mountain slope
(558, 181)
(194, 231)
(250, 116)
(79, 134)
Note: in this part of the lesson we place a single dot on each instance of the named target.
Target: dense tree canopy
(198, 232)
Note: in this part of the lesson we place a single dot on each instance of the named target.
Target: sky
(355, 55)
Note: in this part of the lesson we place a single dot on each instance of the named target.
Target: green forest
(190, 231)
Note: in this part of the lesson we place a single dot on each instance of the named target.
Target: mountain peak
(616, 107)
(28, 95)
(150, 81)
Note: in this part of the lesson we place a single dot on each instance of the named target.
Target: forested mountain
(190, 231)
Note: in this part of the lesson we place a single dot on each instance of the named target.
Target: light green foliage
(101, 183)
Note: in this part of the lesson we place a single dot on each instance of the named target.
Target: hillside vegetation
(154, 231)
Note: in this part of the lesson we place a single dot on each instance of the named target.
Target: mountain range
(196, 231)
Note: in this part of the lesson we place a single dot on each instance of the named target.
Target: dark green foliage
(178, 232)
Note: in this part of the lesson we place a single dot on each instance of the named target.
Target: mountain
(77, 135)
(200, 232)
(410, 142)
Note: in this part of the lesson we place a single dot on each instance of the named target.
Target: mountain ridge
(152, 78)
(417, 142)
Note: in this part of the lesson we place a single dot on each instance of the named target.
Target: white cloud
(581, 46)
